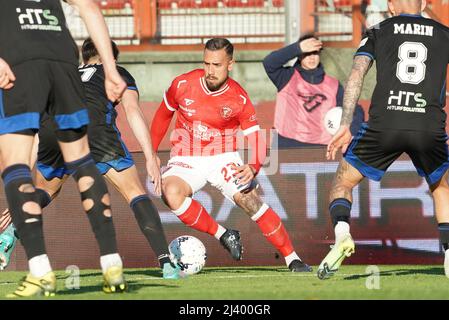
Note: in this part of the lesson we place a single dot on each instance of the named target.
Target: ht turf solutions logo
(38, 19)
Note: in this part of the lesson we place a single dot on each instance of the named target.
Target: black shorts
(43, 85)
(372, 151)
(50, 162)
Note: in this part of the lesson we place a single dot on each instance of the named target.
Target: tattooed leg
(346, 178)
(250, 202)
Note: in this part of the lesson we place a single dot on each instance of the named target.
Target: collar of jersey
(410, 15)
(213, 93)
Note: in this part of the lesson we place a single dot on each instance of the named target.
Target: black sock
(44, 198)
(150, 224)
(102, 225)
(28, 226)
(340, 210)
(165, 259)
(443, 228)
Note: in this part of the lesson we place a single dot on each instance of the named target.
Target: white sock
(292, 256)
(39, 266)
(220, 232)
(110, 260)
(341, 229)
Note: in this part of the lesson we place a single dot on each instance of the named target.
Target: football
(189, 253)
(332, 120)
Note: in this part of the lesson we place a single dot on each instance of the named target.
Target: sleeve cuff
(251, 130)
(367, 54)
(169, 107)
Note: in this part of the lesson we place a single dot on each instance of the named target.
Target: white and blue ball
(189, 253)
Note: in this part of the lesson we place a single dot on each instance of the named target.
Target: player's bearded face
(217, 65)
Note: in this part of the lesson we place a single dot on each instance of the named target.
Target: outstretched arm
(136, 121)
(160, 124)
(96, 26)
(353, 89)
(256, 140)
(248, 172)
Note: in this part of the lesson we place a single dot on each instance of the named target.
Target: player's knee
(27, 188)
(172, 195)
(250, 202)
(32, 208)
(88, 204)
(85, 183)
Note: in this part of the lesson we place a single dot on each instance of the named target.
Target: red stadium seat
(209, 4)
(243, 3)
(164, 4)
(114, 4)
(342, 3)
(278, 3)
(185, 4)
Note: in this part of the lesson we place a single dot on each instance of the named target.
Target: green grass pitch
(258, 283)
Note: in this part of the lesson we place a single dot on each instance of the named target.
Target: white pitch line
(149, 278)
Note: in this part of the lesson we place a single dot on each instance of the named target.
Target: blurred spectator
(305, 94)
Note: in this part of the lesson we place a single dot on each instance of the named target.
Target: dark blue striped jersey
(35, 29)
(101, 110)
(412, 55)
(104, 137)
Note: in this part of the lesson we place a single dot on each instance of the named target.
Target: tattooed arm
(354, 86)
(343, 137)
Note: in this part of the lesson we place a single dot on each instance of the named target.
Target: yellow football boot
(31, 286)
(114, 281)
(331, 263)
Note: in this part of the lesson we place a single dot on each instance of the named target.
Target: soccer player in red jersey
(211, 108)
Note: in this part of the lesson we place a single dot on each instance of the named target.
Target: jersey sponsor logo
(407, 102)
(190, 112)
(413, 28)
(188, 102)
(202, 128)
(38, 19)
(312, 102)
(178, 164)
(202, 132)
(226, 112)
(253, 118)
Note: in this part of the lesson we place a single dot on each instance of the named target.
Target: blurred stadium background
(393, 221)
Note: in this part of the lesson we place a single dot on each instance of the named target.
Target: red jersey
(208, 121)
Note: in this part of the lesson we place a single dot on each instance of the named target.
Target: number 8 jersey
(412, 55)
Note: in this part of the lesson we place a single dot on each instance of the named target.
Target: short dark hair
(89, 50)
(307, 36)
(215, 44)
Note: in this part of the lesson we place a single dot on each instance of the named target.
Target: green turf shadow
(400, 272)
